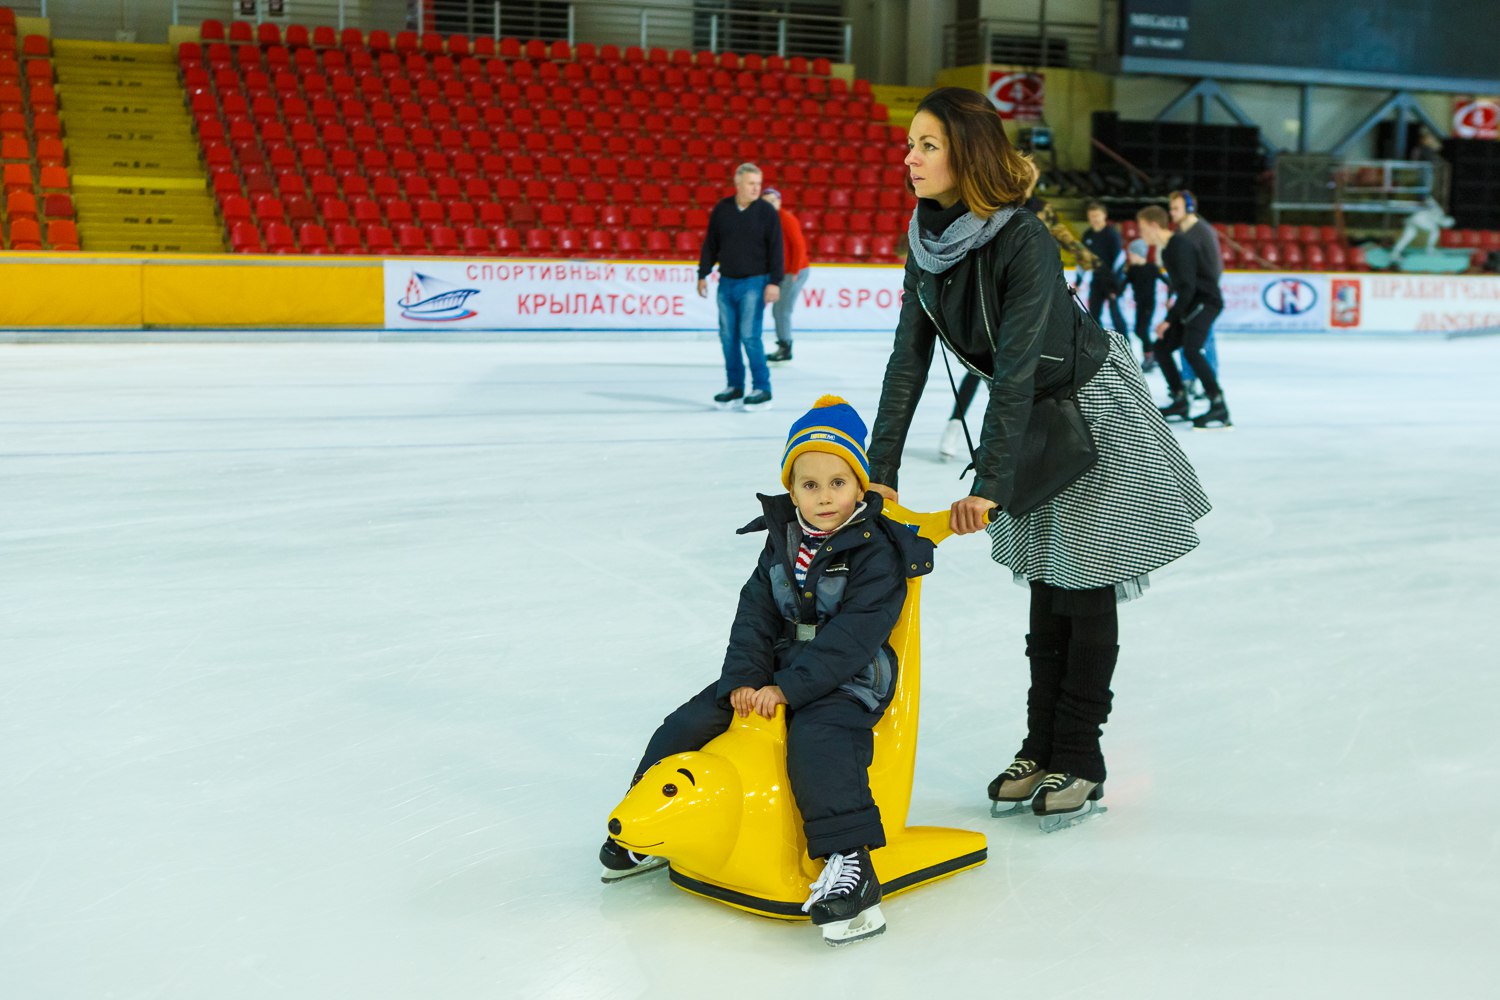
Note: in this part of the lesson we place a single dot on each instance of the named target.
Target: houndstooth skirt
(1133, 512)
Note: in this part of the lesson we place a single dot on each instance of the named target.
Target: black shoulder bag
(1057, 448)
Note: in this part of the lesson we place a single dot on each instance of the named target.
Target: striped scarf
(812, 540)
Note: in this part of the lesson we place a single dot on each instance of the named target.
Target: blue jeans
(742, 317)
(781, 311)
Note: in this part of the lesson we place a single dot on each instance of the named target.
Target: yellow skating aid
(725, 819)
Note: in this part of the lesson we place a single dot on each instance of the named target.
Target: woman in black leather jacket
(985, 278)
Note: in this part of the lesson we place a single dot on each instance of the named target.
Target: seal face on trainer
(686, 807)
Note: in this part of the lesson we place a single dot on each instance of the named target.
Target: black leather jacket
(1006, 312)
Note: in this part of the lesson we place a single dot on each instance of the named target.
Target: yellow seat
(724, 816)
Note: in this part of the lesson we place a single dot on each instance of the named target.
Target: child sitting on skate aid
(810, 634)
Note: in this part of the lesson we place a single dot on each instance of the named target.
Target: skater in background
(953, 431)
(1196, 303)
(825, 657)
(1183, 209)
(744, 239)
(1104, 242)
(985, 278)
(798, 269)
(1143, 276)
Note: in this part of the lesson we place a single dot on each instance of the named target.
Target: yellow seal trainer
(725, 820)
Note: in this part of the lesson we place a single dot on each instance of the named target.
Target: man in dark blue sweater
(744, 239)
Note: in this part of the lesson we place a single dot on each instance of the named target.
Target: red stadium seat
(477, 242)
(379, 240)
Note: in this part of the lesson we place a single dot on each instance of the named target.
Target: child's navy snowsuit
(837, 681)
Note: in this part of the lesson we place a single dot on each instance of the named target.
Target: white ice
(322, 666)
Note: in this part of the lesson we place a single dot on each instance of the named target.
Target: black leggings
(1072, 646)
(1190, 336)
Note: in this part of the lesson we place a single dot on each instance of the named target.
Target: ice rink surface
(322, 666)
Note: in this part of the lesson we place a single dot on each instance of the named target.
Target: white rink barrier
(569, 296)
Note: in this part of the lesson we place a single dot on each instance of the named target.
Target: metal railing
(1016, 41)
(712, 26)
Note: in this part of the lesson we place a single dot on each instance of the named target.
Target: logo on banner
(1345, 295)
(1476, 118)
(433, 300)
(1289, 296)
(1017, 95)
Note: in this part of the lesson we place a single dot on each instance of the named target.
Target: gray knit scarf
(935, 254)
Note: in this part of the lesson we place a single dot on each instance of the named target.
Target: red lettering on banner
(812, 298)
(1458, 321)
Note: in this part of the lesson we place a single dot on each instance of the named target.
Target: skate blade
(756, 408)
(1017, 808)
(733, 404)
(609, 875)
(1215, 426)
(866, 925)
(1061, 821)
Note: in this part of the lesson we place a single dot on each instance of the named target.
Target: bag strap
(962, 417)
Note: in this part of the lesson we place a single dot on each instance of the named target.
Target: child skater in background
(1142, 276)
(811, 633)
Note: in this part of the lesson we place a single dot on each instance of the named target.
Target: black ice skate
(781, 355)
(729, 397)
(621, 863)
(1216, 417)
(1063, 800)
(760, 399)
(1012, 789)
(1177, 409)
(845, 900)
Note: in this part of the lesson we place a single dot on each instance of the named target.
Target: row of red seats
(41, 97)
(45, 125)
(48, 152)
(26, 234)
(1284, 233)
(615, 136)
(32, 46)
(334, 64)
(1472, 239)
(1294, 256)
(27, 177)
(23, 205)
(398, 210)
(298, 36)
(35, 71)
(280, 238)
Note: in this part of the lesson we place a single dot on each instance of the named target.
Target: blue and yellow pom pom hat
(833, 427)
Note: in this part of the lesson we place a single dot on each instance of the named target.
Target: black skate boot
(760, 399)
(845, 899)
(1148, 362)
(1177, 409)
(1013, 787)
(781, 355)
(1215, 417)
(1065, 799)
(729, 397)
(619, 863)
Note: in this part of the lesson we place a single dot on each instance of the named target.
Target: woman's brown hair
(991, 173)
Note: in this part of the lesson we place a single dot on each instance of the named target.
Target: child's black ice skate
(729, 398)
(1063, 800)
(1012, 789)
(621, 863)
(845, 900)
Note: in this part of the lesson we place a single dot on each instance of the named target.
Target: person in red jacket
(798, 267)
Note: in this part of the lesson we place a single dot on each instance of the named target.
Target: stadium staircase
(138, 181)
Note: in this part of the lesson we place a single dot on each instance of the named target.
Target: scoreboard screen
(1421, 44)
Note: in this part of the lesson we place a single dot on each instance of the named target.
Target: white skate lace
(1054, 781)
(1019, 768)
(840, 877)
(637, 859)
